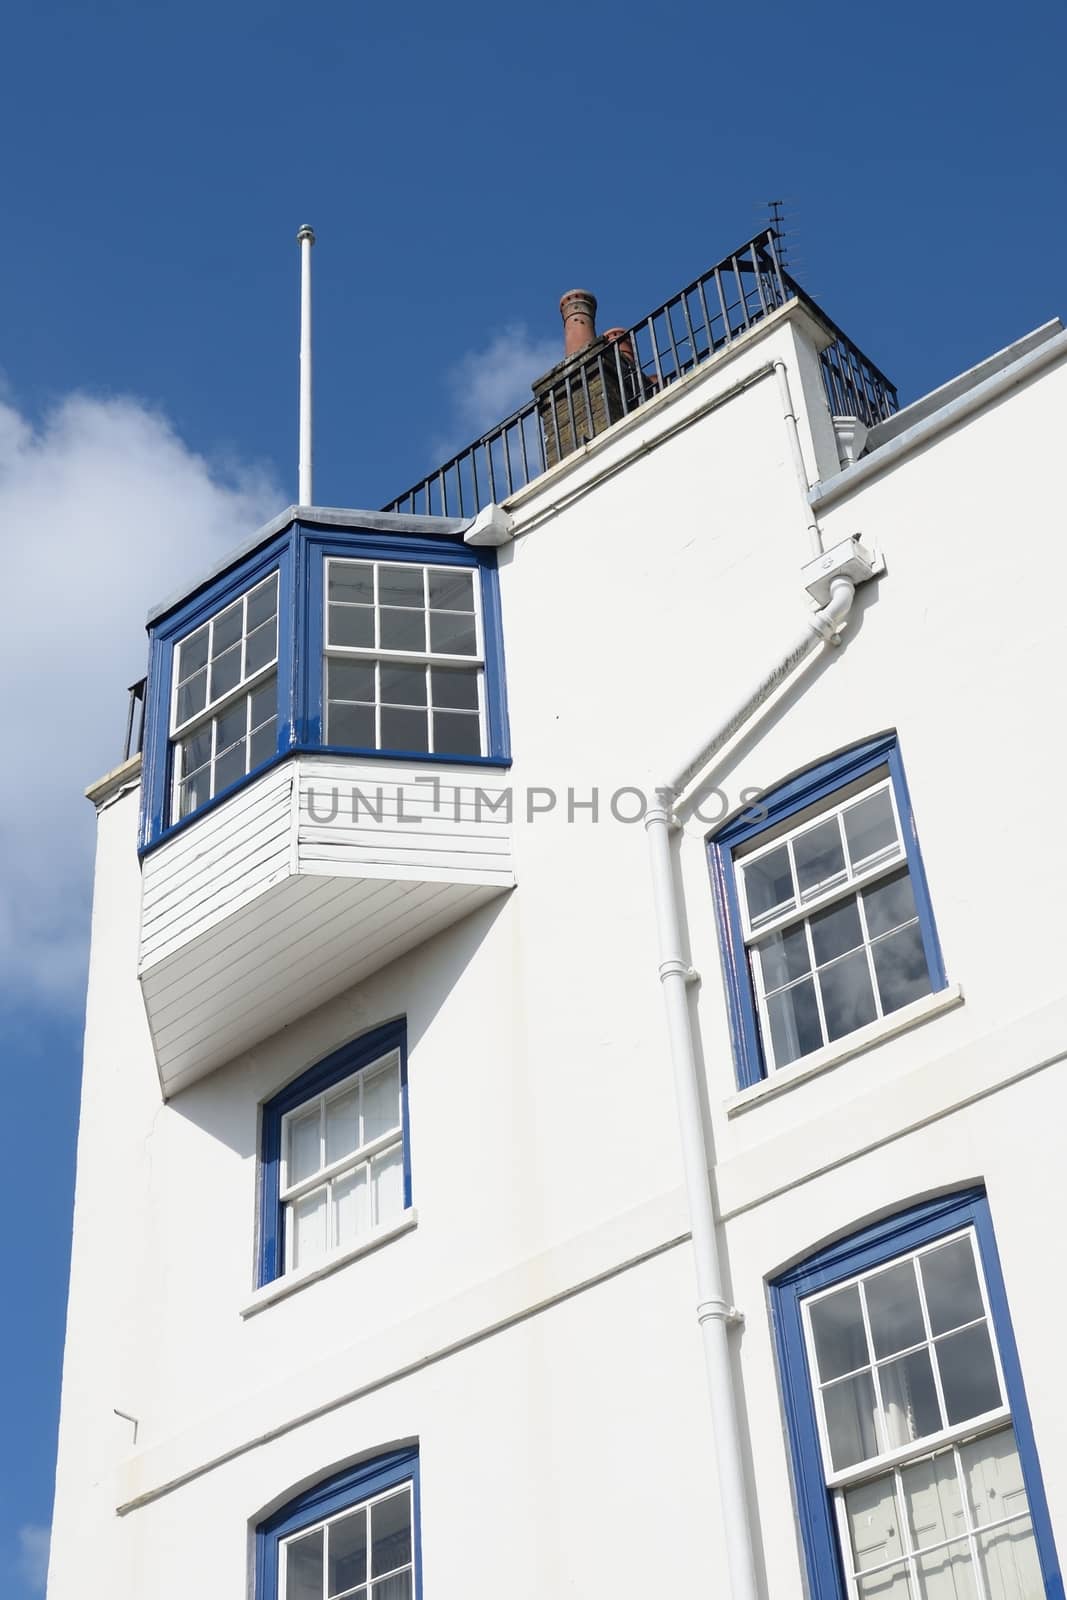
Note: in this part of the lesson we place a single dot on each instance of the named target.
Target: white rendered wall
(548, 1254)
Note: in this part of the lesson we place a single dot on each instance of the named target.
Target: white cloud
(33, 1556)
(103, 511)
(487, 385)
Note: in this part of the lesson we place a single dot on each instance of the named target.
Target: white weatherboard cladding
(535, 1328)
(311, 878)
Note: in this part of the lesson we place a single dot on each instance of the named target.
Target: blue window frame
(335, 1155)
(358, 1528)
(823, 909)
(927, 1460)
(463, 689)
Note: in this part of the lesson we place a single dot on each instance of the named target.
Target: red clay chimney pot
(578, 310)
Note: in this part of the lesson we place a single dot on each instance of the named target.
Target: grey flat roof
(323, 517)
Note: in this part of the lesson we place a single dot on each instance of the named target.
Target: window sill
(931, 1005)
(290, 1282)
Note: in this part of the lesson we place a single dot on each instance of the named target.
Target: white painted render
(534, 1328)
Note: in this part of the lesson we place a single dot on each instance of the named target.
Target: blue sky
(462, 165)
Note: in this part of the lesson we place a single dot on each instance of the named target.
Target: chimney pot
(578, 310)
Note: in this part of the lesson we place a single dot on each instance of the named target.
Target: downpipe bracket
(674, 968)
(720, 1311)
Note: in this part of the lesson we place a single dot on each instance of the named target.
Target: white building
(384, 1240)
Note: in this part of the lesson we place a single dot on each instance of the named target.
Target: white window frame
(427, 658)
(328, 1172)
(338, 1516)
(208, 715)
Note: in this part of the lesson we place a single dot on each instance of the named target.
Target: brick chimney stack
(580, 396)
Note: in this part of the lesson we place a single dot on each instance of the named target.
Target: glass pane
(261, 646)
(783, 957)
(352, 581)
(401, 586)
(226, 672)
(849, 1408)
(950, 1279)
(192, 655)
(347, 1553)
(387, 1183)
(894, 1309)
(889, 1584)
(993, 1477)
(968, 1373)
(194, 792)
(351, 726)
(381, 1102)
(195, 751)
(947, 1574)
(402, 630)
(847, 996)
(456, 688)
(889, 903)
(352, 626)
(819, 857)
(264, 702)
(398, 1587)
(838, 1333)
(303, 1567)
(452, 591)
(230, 766)
(870, 828)
(909, 1398)
(262, 603)
(227, 629)
(457, 733)
(263, 744)
(351, 1206)
(404, 730)
(391, 1533)
(402, 685)
(452, 633)
(836, 930)
(350, 680)
(342, 1125)
(230, 725)
(1009, 1562)
(309, 1227)
(871, 1511)
(769, 884)
(304, 1156)
(794, 1019)
(192, 697)
(934, 1501)
(900, 966)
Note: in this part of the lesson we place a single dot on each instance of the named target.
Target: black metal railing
(679, 335)
(135, 720)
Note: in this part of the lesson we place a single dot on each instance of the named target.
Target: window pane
(401, 586)
(968, 1373)
(193, 654)
(819, 857)
(934, 1500)
(947, 1574)
(1009, 1562)
(890, 1584)
(391, 1533)
(889, 903)
(404, 730)
(351, 1206)
(993, 1477)
(847, 996)
(950, 1279)
(195, 751)
(192, 697)
(351, 726)
(309, 1227)
(262, 603)
(387, 1183)
(402, 630)
(264, 702)
(452, 591)
(352, 581)
(381, 1102)
(303, 1567)
(350, 680)
(870, 828)
(849, 1408)
(900, 966)
(227, 629)
(794, 1019)
(837, 1330)
(347, 1553)
(231, 766)
(352, 627)
(304, 1155)
(226, 672)
(873, 1523)
(261, 646)
(783, 957)
(909, 1398)
(342, 1125)
(194, 792)
(402, 685)
(263, 744)
(457, 733)
(398, 1587)
(452, 633)
(894, 1310)
(836, 930)
(769, 884)
(455, 688)
(231, 724)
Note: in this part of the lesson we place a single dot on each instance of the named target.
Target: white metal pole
(306, 238)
